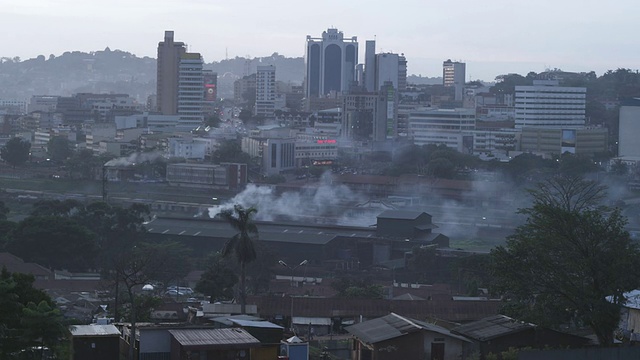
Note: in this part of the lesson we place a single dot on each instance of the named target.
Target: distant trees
(357, 288)
(218, 280)
(59, 149)
(16, 151)
(571, 262)
(438, 161)
(54, 242)
(69, 235)
(230, 151)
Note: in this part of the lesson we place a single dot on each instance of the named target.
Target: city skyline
(493, 38)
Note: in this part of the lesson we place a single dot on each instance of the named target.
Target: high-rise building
(330, 63)
(453, 74)
(629, 120)
(265, 91)
(546, 104)
(370, 66)
(169, 53)
(190, 94)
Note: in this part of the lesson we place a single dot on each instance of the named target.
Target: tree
(42, 325)
(4, 211)
(59, 149)
(16, 151)
(55, 242)
(230, 151)
(16, 291)
(169, 260)
(218, 280)
(132, 269)
(241, 244)
(571, 261)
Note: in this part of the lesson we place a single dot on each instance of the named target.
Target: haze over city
(492, 37)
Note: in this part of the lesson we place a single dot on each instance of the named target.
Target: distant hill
(117, 71)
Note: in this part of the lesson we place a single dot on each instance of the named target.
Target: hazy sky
(492, 36)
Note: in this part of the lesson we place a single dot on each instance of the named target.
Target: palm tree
(241, 243)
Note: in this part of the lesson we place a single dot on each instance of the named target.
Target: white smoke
(308, 204)
(135, 158)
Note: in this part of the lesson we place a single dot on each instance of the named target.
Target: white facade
(278, 155)
(44, 103)
(451, 127)
(387, 69)
(190, 91)
(330, 63)
(545, 104)
(495, 141)
(628, 145)
(19, 105)
(189, 148)
(454, 74)
(265, 91)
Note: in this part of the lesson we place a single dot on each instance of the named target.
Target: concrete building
(451, 127)
(265, 91)
(13, 106)
(278, 156)
(207, 176)
(454, 75)
(242, 87)
(190, 148)
(546, 104)
(629, 128)
(370, 66)
(550, 141)
(190, 91)
(169, 54)
(391, 68)
(360, 121)
(44, 103)
(493, 141)
(330, 63)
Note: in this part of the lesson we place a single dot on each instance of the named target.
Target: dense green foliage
(230, 151)
(27, 315)
(357, 288)
(59, 149)
(16, 151)
(571, 262)
(218, 280)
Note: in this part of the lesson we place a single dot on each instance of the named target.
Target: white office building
(454, 74)
(451, 127)
(545, 104)
(190, 91)
(629, 121)
(265, 91)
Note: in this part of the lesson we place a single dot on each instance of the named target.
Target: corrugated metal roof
(401, 214)
(492, 327)
(213, 337)
(268, 232)
(94, 330)
(392, 326)
(256, 324)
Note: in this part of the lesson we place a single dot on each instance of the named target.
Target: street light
(304, 262)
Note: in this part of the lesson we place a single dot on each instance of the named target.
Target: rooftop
(492, 327)
(392, 326)
(214, 337)
(94, 330)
